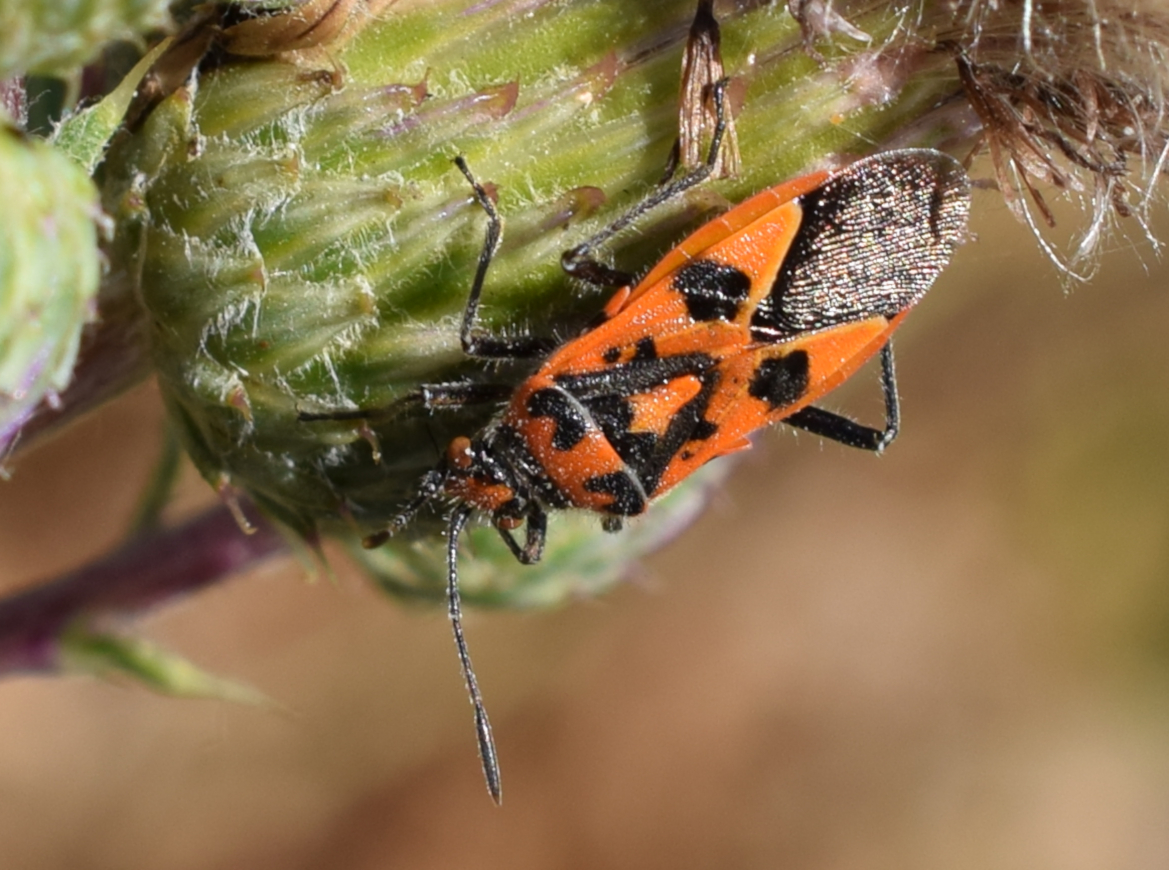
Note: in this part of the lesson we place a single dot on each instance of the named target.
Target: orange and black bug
(747, 322)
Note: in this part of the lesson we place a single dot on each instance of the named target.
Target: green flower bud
(307, 246)
(57, 37)
(49, 269)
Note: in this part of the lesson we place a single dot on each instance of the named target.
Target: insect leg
(536, 527)
(438, 397)
(479, 344)
(892, 403)
(349, 414)
(487, 754)
(430, 486)
(838, 428)
(580, 264)
(432, 397)
(579, 261)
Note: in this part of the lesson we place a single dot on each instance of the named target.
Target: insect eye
(458, 454)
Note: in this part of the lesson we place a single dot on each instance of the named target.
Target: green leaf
(108, 655)
(84, 135)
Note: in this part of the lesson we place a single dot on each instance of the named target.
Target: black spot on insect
(611, 355)
(628, 496)
(630, 378)
(705, 429)
(645, 349)
(712, 290)
(780, 380)
(571, 424)
(683, 424)
(614, 414)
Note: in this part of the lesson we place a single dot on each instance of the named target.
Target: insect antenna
(487, 754)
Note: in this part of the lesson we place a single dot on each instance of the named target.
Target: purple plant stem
(146, 571)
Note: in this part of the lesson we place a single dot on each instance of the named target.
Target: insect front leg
(441, 397)
(841, 429)
(535, 532)
(476, 343)
(431, 397)
(429, 487)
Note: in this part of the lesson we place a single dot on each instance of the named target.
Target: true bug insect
(748, 321)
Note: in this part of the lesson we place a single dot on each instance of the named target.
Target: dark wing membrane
(872, 240)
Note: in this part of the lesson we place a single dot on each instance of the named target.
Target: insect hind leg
(848, 432)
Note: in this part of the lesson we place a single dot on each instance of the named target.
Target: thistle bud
(305, 246)
(49, 269)
(56, 38)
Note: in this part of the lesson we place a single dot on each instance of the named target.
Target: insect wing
(873, 239)
(746, 213)
(770, 382)
(870, 241)
(701, 297)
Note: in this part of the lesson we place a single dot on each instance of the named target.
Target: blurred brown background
(955, 656)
